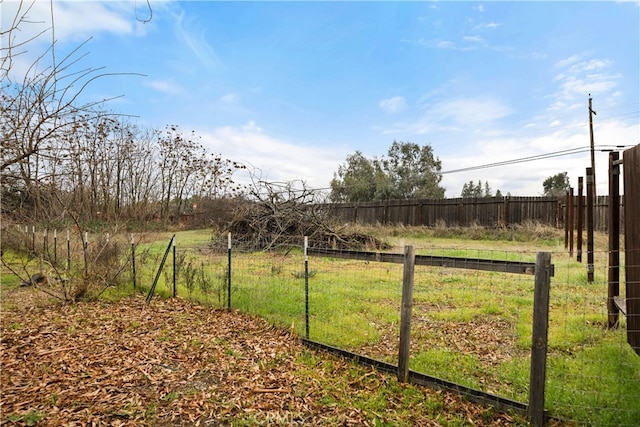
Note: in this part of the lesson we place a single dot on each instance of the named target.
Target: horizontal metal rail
(515, 267)
(476, 396)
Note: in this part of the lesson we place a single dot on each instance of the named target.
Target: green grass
(469, 327)
(355, 305)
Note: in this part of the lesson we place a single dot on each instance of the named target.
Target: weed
(30, 419)
(170, 397)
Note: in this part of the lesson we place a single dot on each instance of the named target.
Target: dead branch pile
(279, 216)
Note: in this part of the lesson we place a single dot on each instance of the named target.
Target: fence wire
(593, 374)
(473, 327)
(469, 327)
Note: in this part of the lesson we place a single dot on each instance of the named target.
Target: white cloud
(469, 112)
(72, 21)
(473, 39)
(577, 77)
(251, 126)
(274, 159)
(491, 25)
(166, 86)
(468, 115)
(525, 179)
(393, 105)
(567, 62)
(229, 98)
(79, 20)
(194, 38)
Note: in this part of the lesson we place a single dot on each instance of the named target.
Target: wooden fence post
(590, 209)
(539, 339)
(580, 218)
(613, 276)
(631, 168)
(405, 313)
(571, 221)
(566, 219)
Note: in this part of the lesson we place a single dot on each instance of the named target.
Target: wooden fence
(631, 167)
(463, 212)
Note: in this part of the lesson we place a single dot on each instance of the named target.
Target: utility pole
(593, 158)
(591, 199)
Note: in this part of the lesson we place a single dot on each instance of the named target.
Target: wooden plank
(357, 255)
(613, 275)
(631, 169)
(515, 267)
(477, 264)
(621, 303)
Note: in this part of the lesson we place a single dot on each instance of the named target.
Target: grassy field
(468, 327)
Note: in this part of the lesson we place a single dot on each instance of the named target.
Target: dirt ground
(177, 363)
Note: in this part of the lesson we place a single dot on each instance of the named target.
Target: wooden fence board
(631, 170)
(486, 212)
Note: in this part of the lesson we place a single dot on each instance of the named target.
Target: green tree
(355, 181)
(409, 171)
(470, 189)
(414, 171)
(556, 185)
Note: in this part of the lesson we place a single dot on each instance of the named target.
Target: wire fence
(471, 328)
(593, 373)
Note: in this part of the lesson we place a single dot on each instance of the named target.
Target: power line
(560, 153)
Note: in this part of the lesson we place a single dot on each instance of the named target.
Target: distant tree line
(477, 190)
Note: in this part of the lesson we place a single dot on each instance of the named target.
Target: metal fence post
(68, 252)
(155, 281)
(55, 246)
(85, 249)
(175, 288)
(229, 271)
(539, 339)
(405, 313)
(133, 260)
(306, 288)
(45, 245)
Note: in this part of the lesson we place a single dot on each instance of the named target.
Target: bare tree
(188, 171)
(38, 110)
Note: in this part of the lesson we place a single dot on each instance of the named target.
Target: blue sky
(292, 88)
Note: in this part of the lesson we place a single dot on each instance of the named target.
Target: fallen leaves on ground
(177, 363)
